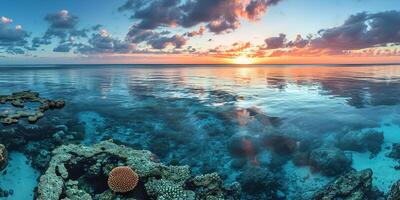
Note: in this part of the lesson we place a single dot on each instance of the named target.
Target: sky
(199, 31)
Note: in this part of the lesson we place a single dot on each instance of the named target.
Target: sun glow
(243, 60)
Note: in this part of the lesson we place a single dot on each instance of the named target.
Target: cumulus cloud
(13, 40)
(199, 32)
(154, 39)
(5, 20)
(219, 16)
(103, 42)
(162, 42)
(361, 34)
(276, 42)
(360, 31)
(63, 26)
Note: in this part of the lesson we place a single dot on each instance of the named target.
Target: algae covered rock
(350, 186)
(395, 152)
(3, 157)
(78, 169)
(394, 193)
(19, 99)
(330, 161)
(359, 141)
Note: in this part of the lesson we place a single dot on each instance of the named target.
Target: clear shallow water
(223, 118)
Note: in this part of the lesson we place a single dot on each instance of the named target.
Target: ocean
(278, 131)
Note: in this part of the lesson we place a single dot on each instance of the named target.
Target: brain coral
(122, 179)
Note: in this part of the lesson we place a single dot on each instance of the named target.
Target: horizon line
(194, 64)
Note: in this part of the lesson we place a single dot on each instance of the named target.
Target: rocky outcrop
(77, 170)
(350, 186)
(394, 193)
(19, 99)
(259, 182)
(330, 161)
(359, 141)
(395, 153)
(3, 157)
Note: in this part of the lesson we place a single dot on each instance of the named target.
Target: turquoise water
(239, 121)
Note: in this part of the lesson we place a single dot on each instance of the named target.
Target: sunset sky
(199, 31)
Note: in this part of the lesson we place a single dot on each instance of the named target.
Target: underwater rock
(209, 186)
(280, 144)
(90, 166)
(18, 100)
(351, 186)
(395, 153)
(259, 182)
(330, 161)
(3, 157)
(359, 141)
(394, 193)
(242, 146)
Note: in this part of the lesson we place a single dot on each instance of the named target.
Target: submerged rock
(330, 161)
(394, 193)
(350, 186)
(3, 157)
(395, 153)
(88, 168)
(370, 140)
(18, 100)
(259, 182)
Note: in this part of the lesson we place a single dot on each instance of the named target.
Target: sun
(243, 60)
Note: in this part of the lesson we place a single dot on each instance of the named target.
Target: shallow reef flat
(19, 100)
(77, 172)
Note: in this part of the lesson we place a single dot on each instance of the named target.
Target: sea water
(217, 118)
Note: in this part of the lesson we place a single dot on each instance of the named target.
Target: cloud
(361, 31)
(219, 16)
(63, 26)
(162, 42)
(103, 42)
(13, 40)
(62, 20)
(156, 40)
(5, 20)
(361, 34)
(200, 32)
(234, 50)
(63, 48)
(276, 42)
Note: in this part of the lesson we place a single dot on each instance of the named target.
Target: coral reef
(260, 182)
(370, 140)
(83, 170)
(394, 193)
(19, 99)
(38, 140)
(330, 161)
(122, 179)
(352, 185)
(3, 157)
(395, 153)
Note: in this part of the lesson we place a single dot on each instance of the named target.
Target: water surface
(221, 118)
